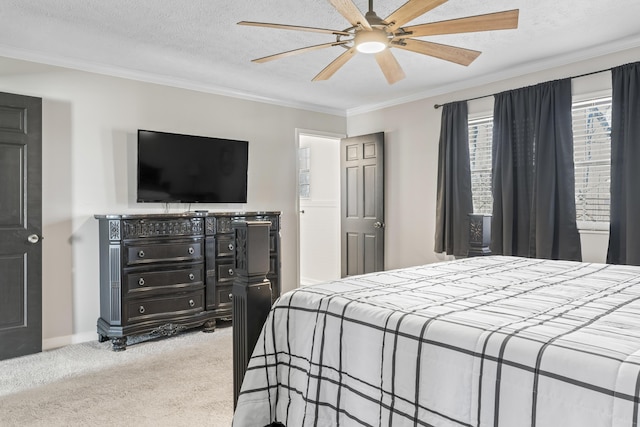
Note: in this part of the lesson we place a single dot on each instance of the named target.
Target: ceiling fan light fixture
(373, 41)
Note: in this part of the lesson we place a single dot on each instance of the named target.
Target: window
(592, 158)
(480, 137)
(304, 181)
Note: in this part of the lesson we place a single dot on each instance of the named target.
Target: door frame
(312, 133)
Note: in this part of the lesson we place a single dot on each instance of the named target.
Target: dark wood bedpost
(251, 294)
(479, 235)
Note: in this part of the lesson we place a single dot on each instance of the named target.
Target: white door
(319, 179)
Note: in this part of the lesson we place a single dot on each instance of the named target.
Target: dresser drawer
(273, 243)
(225, 246)
(138, 283)
(225, 271)
(142, 309)
(175, 251)
(273, 265)
(223, 295)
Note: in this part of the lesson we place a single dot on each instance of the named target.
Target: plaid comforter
(486, 341)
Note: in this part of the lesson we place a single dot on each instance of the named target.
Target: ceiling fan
(371, 34)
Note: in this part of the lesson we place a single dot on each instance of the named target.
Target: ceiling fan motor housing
(372, 41)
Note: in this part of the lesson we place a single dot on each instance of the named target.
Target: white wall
(412, 131)
(320, 222)
(89, 167)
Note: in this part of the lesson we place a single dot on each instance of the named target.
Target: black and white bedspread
(487, 341)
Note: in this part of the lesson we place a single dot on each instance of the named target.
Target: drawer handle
(231, 272)
(141, 281)
(191, 251)
(191, 276)
(230, 296)
(191, 303)
(141, 309)
(230, 246)
(140, 254)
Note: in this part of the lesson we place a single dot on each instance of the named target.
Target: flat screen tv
(176, 168)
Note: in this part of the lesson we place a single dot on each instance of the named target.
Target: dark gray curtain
(624, 233)
(534, 210)
(454, 202)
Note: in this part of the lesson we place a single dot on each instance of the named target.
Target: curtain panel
(454, 202)
(533, 182)
(624, 233)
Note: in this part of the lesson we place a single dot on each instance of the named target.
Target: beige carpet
(185, 380)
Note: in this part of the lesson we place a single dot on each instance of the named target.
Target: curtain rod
(436, 106)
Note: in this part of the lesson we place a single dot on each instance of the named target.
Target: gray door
(362, 204)
(20, 225)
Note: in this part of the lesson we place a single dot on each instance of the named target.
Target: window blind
(592, 157)
(480, 140)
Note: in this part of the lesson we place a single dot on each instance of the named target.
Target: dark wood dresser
(163, 273)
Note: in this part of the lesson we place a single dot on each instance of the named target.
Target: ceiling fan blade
(351, 12)
(410, 11)
(294, 27)
(335, 65)
(390, 66)
(298, 51)
(448, 53)
(489, 22)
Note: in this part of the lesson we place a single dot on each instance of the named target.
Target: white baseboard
(305, 281)
(56, 342)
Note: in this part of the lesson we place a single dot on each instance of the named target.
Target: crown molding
(125, 73)
(518, 71)
(521, 70)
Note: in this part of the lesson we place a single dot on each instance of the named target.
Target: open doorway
(319, 207)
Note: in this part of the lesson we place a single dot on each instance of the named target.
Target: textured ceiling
(197, 44)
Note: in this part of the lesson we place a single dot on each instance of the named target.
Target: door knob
(378, 224)
(33, 238)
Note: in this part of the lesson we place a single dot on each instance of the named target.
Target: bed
(483, 341)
